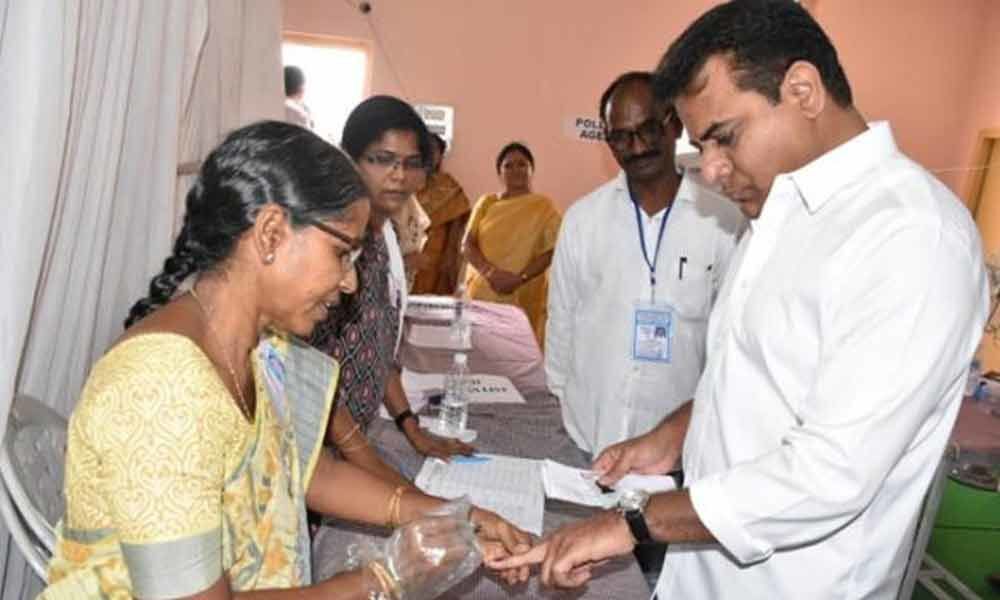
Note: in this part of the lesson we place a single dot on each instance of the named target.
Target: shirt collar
(822, 178)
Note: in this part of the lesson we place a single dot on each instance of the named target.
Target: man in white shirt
(640, 255)
(838, 347)
(296, 111)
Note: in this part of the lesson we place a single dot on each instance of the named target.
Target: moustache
(645, 155)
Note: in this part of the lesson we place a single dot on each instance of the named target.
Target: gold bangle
(357, 446)
(399, 505)
(348, 436)
(392, 516)
(386, 580)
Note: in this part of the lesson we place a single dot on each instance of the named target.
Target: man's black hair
(294, 80)
(623, 79)
(761, 39)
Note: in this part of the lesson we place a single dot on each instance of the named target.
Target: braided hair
(265, 162)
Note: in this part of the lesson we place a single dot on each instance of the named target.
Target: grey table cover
(530, 430)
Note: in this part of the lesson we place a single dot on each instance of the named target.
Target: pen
(680, 267)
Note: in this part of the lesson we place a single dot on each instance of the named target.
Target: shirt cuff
(711, 502)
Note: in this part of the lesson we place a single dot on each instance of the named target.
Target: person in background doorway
(444, 201)
(510, 240)
(296, 111)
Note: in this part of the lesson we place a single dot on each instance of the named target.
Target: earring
(269, 259)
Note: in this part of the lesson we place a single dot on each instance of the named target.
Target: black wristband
(637, 525)
(402, 417)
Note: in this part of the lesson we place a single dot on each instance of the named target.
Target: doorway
(983, 199)
(338, 76)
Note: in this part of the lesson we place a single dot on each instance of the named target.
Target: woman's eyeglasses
(388, 161)
(347, 260)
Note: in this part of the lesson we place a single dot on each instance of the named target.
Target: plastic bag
(426, 556)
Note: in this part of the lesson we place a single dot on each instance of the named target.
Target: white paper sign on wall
(440, 119)
(584, 129)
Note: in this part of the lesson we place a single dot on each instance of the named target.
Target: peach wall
(516, 69)
(912, 62)
(984, 104)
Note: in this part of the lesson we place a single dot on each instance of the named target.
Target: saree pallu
(446, 204)
(512, 232)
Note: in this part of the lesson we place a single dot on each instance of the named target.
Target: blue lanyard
(642, 241)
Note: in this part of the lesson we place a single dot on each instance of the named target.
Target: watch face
(633, 500)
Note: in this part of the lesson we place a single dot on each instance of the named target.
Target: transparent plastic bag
(426, 556)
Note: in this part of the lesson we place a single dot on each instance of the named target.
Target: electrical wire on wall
(366, 9)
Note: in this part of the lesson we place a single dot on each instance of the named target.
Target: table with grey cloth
(530, 430)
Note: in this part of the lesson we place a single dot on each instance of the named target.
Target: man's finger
(606, 459)
(617, 469)
(555, 546)
(569, 569)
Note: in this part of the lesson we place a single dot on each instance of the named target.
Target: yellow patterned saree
(168, 487)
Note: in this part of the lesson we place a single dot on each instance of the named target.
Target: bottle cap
(461, 358)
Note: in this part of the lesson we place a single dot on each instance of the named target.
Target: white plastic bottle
(455, 405)
(460, 325)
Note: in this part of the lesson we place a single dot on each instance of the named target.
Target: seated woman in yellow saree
(510, 240)
(196, 445)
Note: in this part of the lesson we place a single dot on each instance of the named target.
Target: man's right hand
(653, 453)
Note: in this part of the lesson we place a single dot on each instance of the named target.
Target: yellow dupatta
(446, 204)
(511, 233)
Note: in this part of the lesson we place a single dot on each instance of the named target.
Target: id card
(652, 332)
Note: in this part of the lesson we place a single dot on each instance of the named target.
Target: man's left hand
(569, 555)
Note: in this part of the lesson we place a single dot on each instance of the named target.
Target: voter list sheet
(511, 487)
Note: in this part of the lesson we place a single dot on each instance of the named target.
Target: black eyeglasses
(649, 131)
(347, 260)
(388, 161)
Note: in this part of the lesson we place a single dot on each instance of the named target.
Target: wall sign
(585, 129)
(440, 119)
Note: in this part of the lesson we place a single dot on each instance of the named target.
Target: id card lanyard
(642, 242)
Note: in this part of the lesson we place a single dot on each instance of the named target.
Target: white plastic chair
(32, 460)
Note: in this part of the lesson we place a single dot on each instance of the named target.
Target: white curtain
(100, 102)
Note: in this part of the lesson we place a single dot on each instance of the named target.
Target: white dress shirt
(398, 292)
(838, 351)
(598, 273)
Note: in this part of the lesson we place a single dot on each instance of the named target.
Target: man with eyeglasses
(640, 255)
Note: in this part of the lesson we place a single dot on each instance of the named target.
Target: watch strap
(637, 525)
(402, 417)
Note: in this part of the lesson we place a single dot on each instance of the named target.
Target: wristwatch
(402, 417)
(632, 504)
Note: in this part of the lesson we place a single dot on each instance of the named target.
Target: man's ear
(803, 88)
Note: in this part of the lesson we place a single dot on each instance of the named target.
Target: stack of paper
(508, 486)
